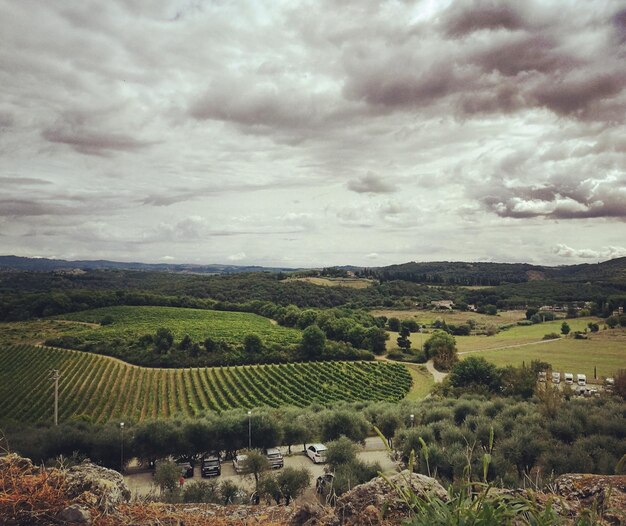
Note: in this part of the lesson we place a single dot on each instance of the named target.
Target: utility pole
(56, 375)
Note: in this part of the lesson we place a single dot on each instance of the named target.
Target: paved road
(141, 484)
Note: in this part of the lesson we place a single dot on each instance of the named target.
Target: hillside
(107, 389)
(491, 274)
(45, 264)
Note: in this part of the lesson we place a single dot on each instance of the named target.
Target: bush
(551, 336)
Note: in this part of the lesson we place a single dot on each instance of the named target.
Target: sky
(313, 133)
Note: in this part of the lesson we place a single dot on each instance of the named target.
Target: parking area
(142, 484)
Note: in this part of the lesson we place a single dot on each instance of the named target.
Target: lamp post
(249, 430)
(412, 419)
(121, 447)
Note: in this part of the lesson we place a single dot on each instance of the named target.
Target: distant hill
(493, 274)
(44, 264)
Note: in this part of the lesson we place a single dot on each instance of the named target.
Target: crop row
(106, 389)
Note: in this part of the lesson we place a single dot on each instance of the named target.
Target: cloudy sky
(299, 133)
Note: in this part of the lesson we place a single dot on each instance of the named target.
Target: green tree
(376, 340)
(403, 340)
(186, 343)
(163, 339)
(255, 464)
(293, 482)
(393, 324)
(343, 422)
(475, 371)
(341, 451)
(166, 476)
(252, 344)
(441, 347)
(313, 341)
(593, 327)
(565, 328)
(612, 322)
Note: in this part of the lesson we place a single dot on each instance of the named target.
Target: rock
(355, 506)
(86, 480)
(75, 514)
(313, 515)
(606, 493)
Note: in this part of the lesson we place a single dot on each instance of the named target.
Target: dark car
(186, 468)
(274, 458)
(210, 465)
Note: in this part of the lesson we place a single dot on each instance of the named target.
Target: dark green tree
(565, 328)
(313, 342)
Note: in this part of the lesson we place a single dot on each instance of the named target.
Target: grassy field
(605, 349)
(129, 323)
(607, 355)
(454, 317)
(422, 382)
(355, 283)
(104, 388)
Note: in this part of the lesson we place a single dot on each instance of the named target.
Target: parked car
(609, 384)
(186, 468)
(317, 453)
(569, 378)
(274, 458)
(581, 379)
(210, 465)
(542, 376)
(580, 390)
(556, 378)
(239, 463)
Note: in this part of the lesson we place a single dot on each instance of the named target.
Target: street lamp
(412, 419)
(121, 447)
(249, 430)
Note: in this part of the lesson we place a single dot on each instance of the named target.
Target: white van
(569, 378)
(581, 379)
(556, 378)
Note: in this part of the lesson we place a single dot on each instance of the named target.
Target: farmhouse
(442, 304)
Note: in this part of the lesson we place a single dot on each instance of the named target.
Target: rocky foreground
(91, 495)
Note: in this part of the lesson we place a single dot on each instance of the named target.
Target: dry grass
(454, 317)
(35, 496)
(354, 283)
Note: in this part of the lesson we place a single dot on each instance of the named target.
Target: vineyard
(107, 389)
(129, 323)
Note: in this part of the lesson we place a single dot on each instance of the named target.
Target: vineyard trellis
(105, 389)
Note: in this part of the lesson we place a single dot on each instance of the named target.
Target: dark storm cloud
(26, 208)
(91, 142)
(466, 17)
(371, 183)
(586, 199)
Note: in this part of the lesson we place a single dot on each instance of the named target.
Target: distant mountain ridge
(435, 272)
(45, 264)
(492, 274)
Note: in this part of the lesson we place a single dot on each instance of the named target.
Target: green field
(605, 350)
(106, 389)
(130, 323)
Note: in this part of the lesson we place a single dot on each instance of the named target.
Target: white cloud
(448, 129)
(603, 253)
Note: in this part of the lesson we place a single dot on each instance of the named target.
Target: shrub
(551, 336)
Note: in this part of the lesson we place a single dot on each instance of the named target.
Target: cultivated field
(106, 389)
(428, 317)
(355, 283)
(130, 323)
